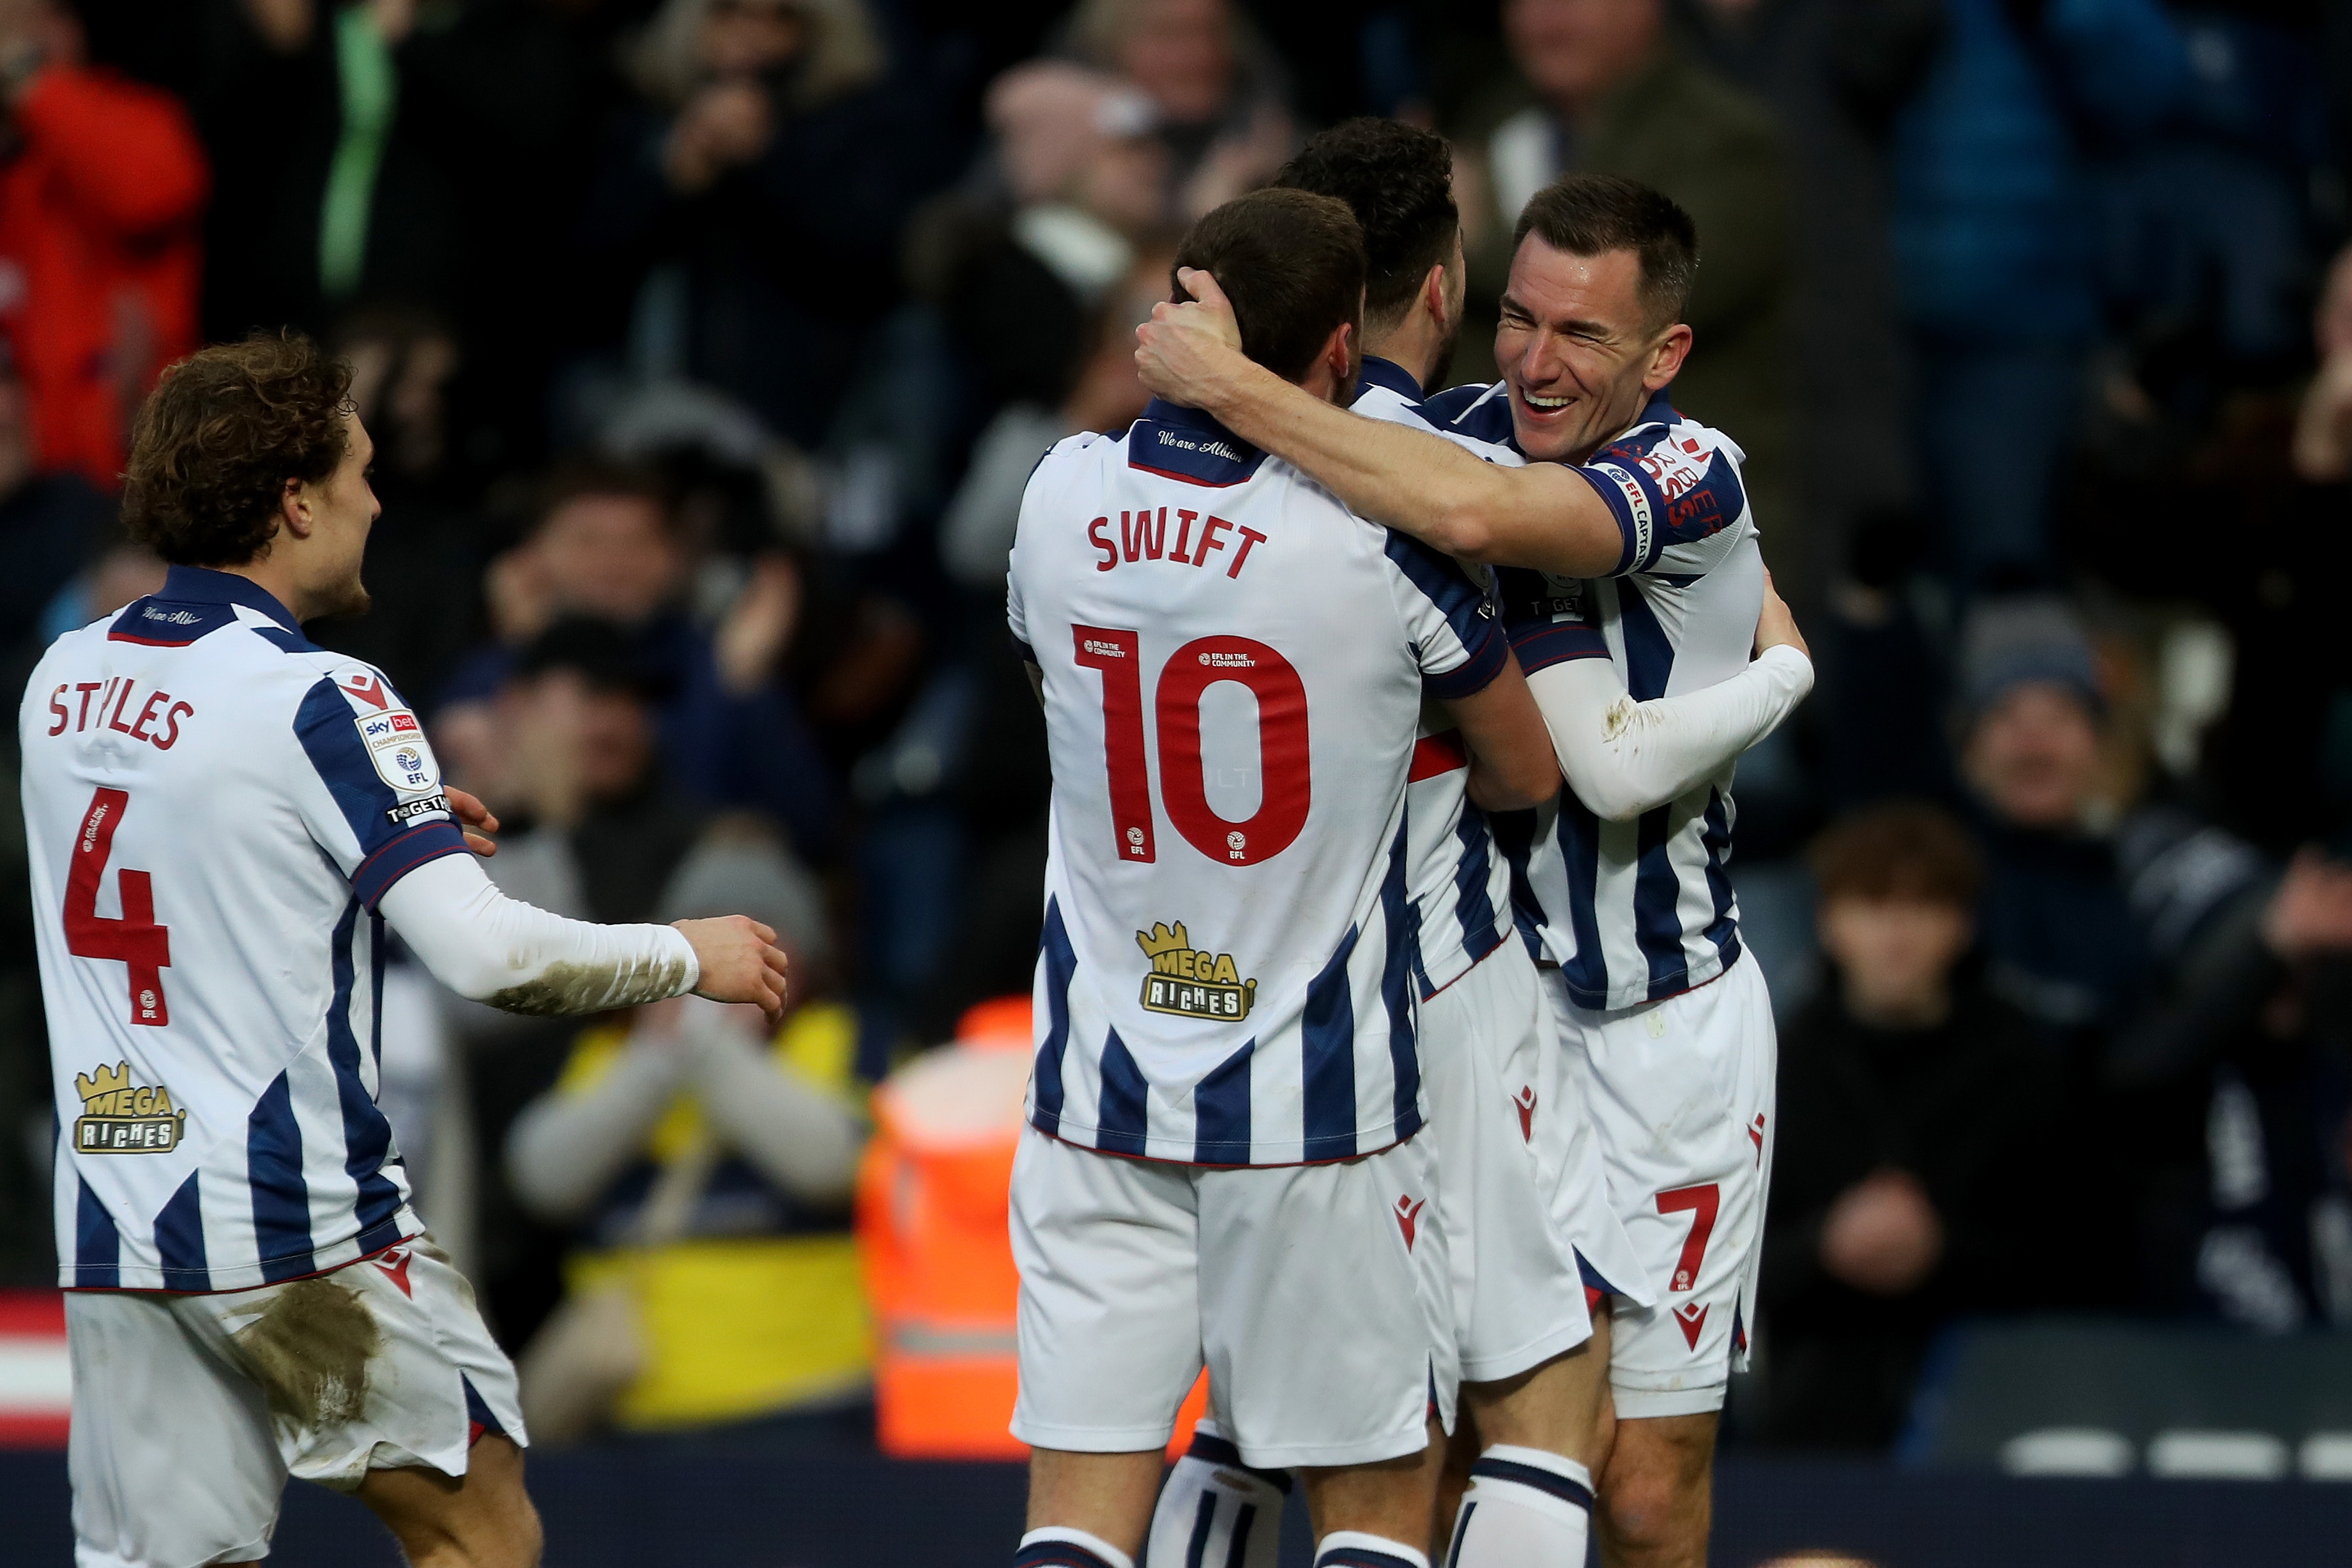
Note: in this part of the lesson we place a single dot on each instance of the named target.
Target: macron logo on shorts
(1408, 1215)
(1692, 1316)
(1526, 1101)
(394, 1264)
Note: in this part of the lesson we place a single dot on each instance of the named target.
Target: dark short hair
(576, 477)
(1592, 214)
(605, 655)
(216, 440)
(1293, 265)
(1398, 180)
(1903, 849)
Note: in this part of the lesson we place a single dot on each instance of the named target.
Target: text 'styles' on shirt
(1232, 667)
(214, 808)
(1633, 912)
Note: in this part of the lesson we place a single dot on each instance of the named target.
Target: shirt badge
(1189, 982)
(119, 1117)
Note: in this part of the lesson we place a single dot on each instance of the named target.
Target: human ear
(1666, 358)
(1433, 294)
(294, 510)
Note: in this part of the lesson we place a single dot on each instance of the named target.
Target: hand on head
(740, 962)
(1181, 350)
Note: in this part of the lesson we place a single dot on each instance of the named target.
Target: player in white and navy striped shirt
(1671, 1034)
(1233, 669)
(221, 820)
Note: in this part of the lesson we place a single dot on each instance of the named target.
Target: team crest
(119, 1117)
(1189, 982)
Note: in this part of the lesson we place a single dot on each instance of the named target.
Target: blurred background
(707, 345)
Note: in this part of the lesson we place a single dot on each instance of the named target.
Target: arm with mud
(491, 948)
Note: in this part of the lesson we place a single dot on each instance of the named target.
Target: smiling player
(1635, 541)
(223, 819)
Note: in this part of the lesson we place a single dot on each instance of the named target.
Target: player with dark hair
(1627, 542)
(223, 821)
(1223, 1163)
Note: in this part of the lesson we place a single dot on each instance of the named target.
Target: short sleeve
(1449, 620)
(1550, 619)
(368, 750)
(1672, 493)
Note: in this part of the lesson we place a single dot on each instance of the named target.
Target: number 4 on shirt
(131, 938)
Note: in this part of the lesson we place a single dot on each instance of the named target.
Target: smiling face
(1576, 349)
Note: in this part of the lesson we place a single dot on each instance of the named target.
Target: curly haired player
(223, 819)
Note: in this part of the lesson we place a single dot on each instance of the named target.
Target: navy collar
(1377, 372)
(1189, 443)
(1660, 409)
(202, 585)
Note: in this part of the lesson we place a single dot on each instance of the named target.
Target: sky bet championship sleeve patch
(393, 737)
(1190, 983)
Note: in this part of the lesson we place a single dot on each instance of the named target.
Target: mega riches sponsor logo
(120, 1117)
(1192, 982)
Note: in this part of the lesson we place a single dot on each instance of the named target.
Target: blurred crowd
(707, 345)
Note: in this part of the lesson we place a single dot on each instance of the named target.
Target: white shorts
(1317, 1296)
(1490, 1066)
(1681, 1095)
(189, 1412)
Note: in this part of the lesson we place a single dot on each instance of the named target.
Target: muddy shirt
(213, 808)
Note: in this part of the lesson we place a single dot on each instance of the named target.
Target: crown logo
(1163, 939)
(120, 1117)
(1192, 982)
(109, 1080)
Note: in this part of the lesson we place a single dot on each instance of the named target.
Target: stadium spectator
(1222, 101)
(1914, 1105)
(607, 546)
(1995, 245)
(49, 523)
(705, 1167)
(101, 190)
(976, 532)
(1836, 73)
(426, 560)
(763, 183)
(1615, 94)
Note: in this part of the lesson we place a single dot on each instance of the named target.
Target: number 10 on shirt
(1285, 792)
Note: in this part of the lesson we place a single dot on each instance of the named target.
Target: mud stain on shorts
(568, 988)
(310, 1349)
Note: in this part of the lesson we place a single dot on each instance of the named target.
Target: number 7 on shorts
(1702, 1201)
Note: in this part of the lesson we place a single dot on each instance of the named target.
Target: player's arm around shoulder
(1411, 480)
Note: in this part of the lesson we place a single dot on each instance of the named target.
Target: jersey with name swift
(214, 808)
(1635, 912)
(1232, 671)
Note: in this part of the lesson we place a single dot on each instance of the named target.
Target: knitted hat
(2009, 642)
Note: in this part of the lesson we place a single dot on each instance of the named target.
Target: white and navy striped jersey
(1635, 910)
(1233, 670)
(214, 808)
(1461, 883)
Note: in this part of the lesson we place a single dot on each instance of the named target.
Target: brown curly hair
(215, 442)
